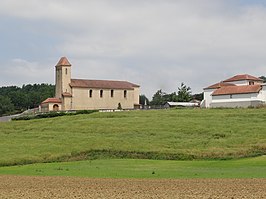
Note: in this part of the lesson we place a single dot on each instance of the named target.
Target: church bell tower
(62, 78)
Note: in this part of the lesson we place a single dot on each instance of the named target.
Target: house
(238, 91)
(83, 94)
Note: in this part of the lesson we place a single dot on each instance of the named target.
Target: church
(84, 94)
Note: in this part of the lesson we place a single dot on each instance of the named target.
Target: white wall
(207, 97)
(262, 93)
(235, 97)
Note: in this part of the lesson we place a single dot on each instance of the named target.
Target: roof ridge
(115, 84)
(100, 80)
(242, 77)
(52, 100)
(219, 85)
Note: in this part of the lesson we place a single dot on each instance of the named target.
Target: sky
(157, 44)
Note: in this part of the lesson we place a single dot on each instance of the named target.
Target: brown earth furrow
(27, 187)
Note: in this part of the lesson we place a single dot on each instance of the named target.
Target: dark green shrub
(53, 114)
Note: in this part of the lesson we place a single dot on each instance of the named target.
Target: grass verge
(139, 168)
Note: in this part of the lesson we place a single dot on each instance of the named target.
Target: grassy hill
(180, 134)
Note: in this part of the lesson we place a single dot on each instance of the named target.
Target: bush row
(53, 114)
(117, 154)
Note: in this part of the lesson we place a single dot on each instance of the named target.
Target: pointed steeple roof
(63, 62)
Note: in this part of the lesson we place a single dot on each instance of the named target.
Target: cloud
(19, 72)
(157, 44)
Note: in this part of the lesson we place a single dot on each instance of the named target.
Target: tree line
(15, 99)
(183, 94)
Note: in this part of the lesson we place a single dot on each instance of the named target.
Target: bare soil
(69, 187)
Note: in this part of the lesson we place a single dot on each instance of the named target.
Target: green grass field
(139, 144)
(180, 134)
(132, 168)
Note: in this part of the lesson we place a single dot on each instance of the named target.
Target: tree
(5, 105)
(143, 100)
(158, 98)
(263, 78)
(29, 96)
(198, 96)
(184, 93)
(172, 97)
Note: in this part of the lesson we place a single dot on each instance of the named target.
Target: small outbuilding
(181, 104)
(53, 104)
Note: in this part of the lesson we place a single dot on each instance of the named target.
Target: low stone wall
(244, 104)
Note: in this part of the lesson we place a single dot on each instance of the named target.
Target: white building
(238, 91)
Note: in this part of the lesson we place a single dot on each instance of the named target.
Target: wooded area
(183, 94)
(15, 99)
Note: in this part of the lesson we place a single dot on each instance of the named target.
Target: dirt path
(8, 118)
(64, 187)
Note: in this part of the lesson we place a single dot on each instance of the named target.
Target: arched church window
(125, 93)
(101, 93)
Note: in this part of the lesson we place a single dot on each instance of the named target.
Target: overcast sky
(154, 43)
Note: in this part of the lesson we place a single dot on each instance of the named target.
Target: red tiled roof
(242, 77)
(228, 90)
(63, 62)
(52, 100)
(219, 85)
(65, 94)
(105, 84)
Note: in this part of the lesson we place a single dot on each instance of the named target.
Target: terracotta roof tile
(228, 90)
(65, 94)
(63, 62)
(52, 100)
(219, 85)
(105, 84)
(242, 77)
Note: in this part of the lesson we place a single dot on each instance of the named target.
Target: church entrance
(55, 107)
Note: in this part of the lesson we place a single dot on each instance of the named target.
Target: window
(90, 93)
(231, 96)
(112, 93)
(66, 71)
(125, 93)
(251, 83)
(101, 93)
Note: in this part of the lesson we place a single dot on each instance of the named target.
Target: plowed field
(64, 187)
